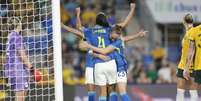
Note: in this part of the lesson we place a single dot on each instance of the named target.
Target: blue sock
(113, 96)
(91, 96)
(125, 97)
(102, 98)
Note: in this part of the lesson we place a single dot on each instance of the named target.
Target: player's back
(185, 45)
(196, 37)
(101, 39)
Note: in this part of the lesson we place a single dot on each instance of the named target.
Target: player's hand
(31, 73)
(142, 33)
(103, 57)
(62, 25)
(83, 45)
(186, 74)
(132, 5)
(31, 70)
(78, 10)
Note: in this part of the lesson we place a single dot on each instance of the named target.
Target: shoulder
(117, 42)
(85, 29)
(198, 27)
(191, 32)
(14, 34)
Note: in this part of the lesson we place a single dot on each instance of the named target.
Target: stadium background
(152, 60)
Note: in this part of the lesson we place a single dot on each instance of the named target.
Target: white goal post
(57, 51)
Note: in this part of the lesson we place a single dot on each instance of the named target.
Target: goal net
(30, 38)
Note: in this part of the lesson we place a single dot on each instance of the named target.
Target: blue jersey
(119, 54)
(89, 59)
(101, 39)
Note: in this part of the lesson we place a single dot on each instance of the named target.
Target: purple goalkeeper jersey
(14, 66)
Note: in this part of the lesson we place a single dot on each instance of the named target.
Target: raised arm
(129, 17)
(189, 59)
(79, 24)
(134, 36)
(72, 30)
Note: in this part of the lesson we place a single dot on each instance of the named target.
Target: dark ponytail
(101, 20)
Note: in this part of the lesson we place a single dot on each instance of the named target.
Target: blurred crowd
(146, 65)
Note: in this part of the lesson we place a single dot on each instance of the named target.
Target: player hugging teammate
(105, 61)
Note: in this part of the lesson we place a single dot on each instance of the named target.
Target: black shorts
(197, 76)
(180, 73)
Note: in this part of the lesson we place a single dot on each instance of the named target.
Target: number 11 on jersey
(101, 42)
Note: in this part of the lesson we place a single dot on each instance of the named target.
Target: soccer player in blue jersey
(89, 64)
(17, 65)
(100, 37)
(105, 71)
(86, 34)
(117, 46)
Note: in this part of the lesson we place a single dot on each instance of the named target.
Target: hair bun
(188, 18)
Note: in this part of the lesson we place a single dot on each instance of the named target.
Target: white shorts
(105, 73)
(122, 77)
(89, 75)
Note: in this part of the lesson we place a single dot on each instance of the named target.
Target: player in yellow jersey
(181, 82)
(194, 53)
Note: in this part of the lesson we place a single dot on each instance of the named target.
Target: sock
(113, 96)
(194, 95)
(102, 98)
(91, 96)
(125, 97)
(180, 94)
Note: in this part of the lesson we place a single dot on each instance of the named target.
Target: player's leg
(20, 85)
(111, 74)
(91, 88)
(193, 90)
(112, 93)
(20, 95)
(100, 80)
(122, 85)
(103, 93)
(181, 84)
(194, 85)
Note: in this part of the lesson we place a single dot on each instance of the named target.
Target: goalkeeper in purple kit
(17, 66)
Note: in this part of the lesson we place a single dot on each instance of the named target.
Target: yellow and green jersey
(185, 46)
(196, 37)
